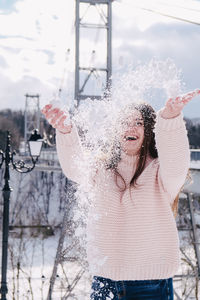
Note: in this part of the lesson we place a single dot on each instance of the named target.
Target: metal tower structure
(32, 116)
(85, 76)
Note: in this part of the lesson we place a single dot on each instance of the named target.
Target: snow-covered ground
(31, 279)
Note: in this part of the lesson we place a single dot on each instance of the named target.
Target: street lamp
(35, 145)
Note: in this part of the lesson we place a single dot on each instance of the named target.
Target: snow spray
(153, 83)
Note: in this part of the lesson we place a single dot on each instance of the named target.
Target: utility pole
(87, 75)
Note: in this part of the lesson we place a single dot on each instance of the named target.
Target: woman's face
(132, 133)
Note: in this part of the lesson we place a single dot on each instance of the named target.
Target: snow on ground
(36, 264)
(38, 259)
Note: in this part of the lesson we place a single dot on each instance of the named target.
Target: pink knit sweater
(132, 235)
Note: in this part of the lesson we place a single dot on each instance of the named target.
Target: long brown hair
(148, 146)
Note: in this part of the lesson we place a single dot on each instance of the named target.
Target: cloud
(13, 93)
(36, 35)
(3, 63)
(37, 25)
(178, 41)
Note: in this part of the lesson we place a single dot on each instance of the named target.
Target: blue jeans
(159, 289)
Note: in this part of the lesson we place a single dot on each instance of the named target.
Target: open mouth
(130, 138)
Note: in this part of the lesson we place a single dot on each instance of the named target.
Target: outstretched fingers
(51, 113)
(46, 108)
(173, 106)
(62, 127)
(182, 100)
(56, 117)
(189, 96)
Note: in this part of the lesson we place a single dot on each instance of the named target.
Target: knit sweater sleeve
(69, 152)
(173, 153)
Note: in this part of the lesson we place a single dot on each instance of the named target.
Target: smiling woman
(132, 133)
(132, 239)
(134, 136)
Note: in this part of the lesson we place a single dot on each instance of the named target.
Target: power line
(179, 6)
(169, 16)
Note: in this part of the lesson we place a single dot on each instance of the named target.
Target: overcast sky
(35, 36)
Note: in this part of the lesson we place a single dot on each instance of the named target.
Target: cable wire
(175, 5)
(169, 16)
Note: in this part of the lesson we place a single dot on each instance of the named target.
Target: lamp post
(35, 145)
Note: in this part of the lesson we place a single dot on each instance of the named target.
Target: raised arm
(68, 144)
(172, 144)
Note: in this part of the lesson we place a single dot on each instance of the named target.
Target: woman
(133, 245)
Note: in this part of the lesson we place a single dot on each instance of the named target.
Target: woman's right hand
(56, 117)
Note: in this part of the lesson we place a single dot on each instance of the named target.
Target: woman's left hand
(173, 107)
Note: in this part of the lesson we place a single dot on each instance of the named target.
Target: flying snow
(153, 83)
